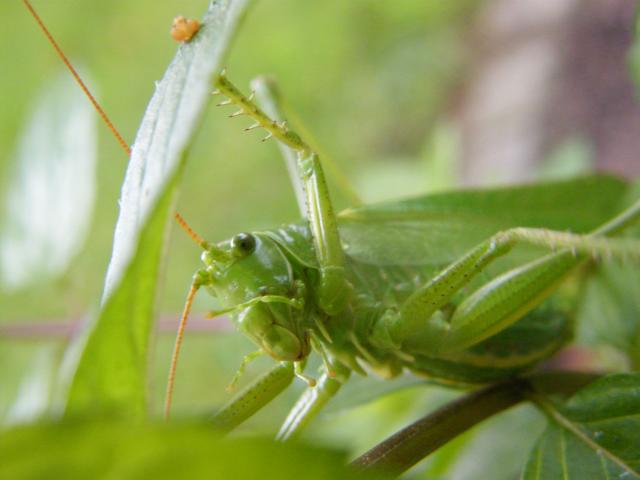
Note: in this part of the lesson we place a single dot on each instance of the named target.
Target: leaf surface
(50, 196)
(595, 434)
(609, 313)
(124, 451)
(107, 366)
(438, 228)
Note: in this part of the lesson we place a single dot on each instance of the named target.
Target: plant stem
(408, 446)
(47, 329)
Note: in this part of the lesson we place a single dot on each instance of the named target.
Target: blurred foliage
(58, 195)
(121, 451)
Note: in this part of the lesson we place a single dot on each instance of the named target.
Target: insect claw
(223, 103)
(245, 361)
(252, 127)
(311, 382)
(251, 95)
(237, 114)
(216, 92)
(269, 135)
(283, 125)
(297, 371)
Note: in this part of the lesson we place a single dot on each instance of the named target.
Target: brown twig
(65, 328)
(408, 446)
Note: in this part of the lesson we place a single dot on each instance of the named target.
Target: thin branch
(408, 446)
(66, 328)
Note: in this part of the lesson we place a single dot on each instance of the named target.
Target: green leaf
(50, 196)
(107, 367)
(610, 312)
(363, 390)
(439, 228)
(111, 372)
(34, 394)
(595, 434)
(123, 451)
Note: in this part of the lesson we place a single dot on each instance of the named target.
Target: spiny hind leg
(334, 290)
(502, 301)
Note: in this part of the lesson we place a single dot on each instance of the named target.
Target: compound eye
(243, 244)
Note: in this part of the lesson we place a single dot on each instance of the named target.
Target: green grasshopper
(455, 287)
(427, 284)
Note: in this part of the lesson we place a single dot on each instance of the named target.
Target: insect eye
(243, 244)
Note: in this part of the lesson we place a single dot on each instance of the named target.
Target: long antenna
(194, 236)
(79, 80)
(197, 238)
(99, 109)
(176, 348)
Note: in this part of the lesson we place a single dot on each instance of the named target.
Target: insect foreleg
(313, 401)
(243, 366)
(333, 289)
(247, 107)
(254, 397)
(269, 97)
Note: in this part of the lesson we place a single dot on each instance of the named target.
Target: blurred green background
(377, 83)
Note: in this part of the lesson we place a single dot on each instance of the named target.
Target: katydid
(406, 285)
(456, 287)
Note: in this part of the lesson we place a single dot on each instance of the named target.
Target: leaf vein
(569, 426)
(619, 417)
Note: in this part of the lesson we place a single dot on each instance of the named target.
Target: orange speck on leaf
(183, 29)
